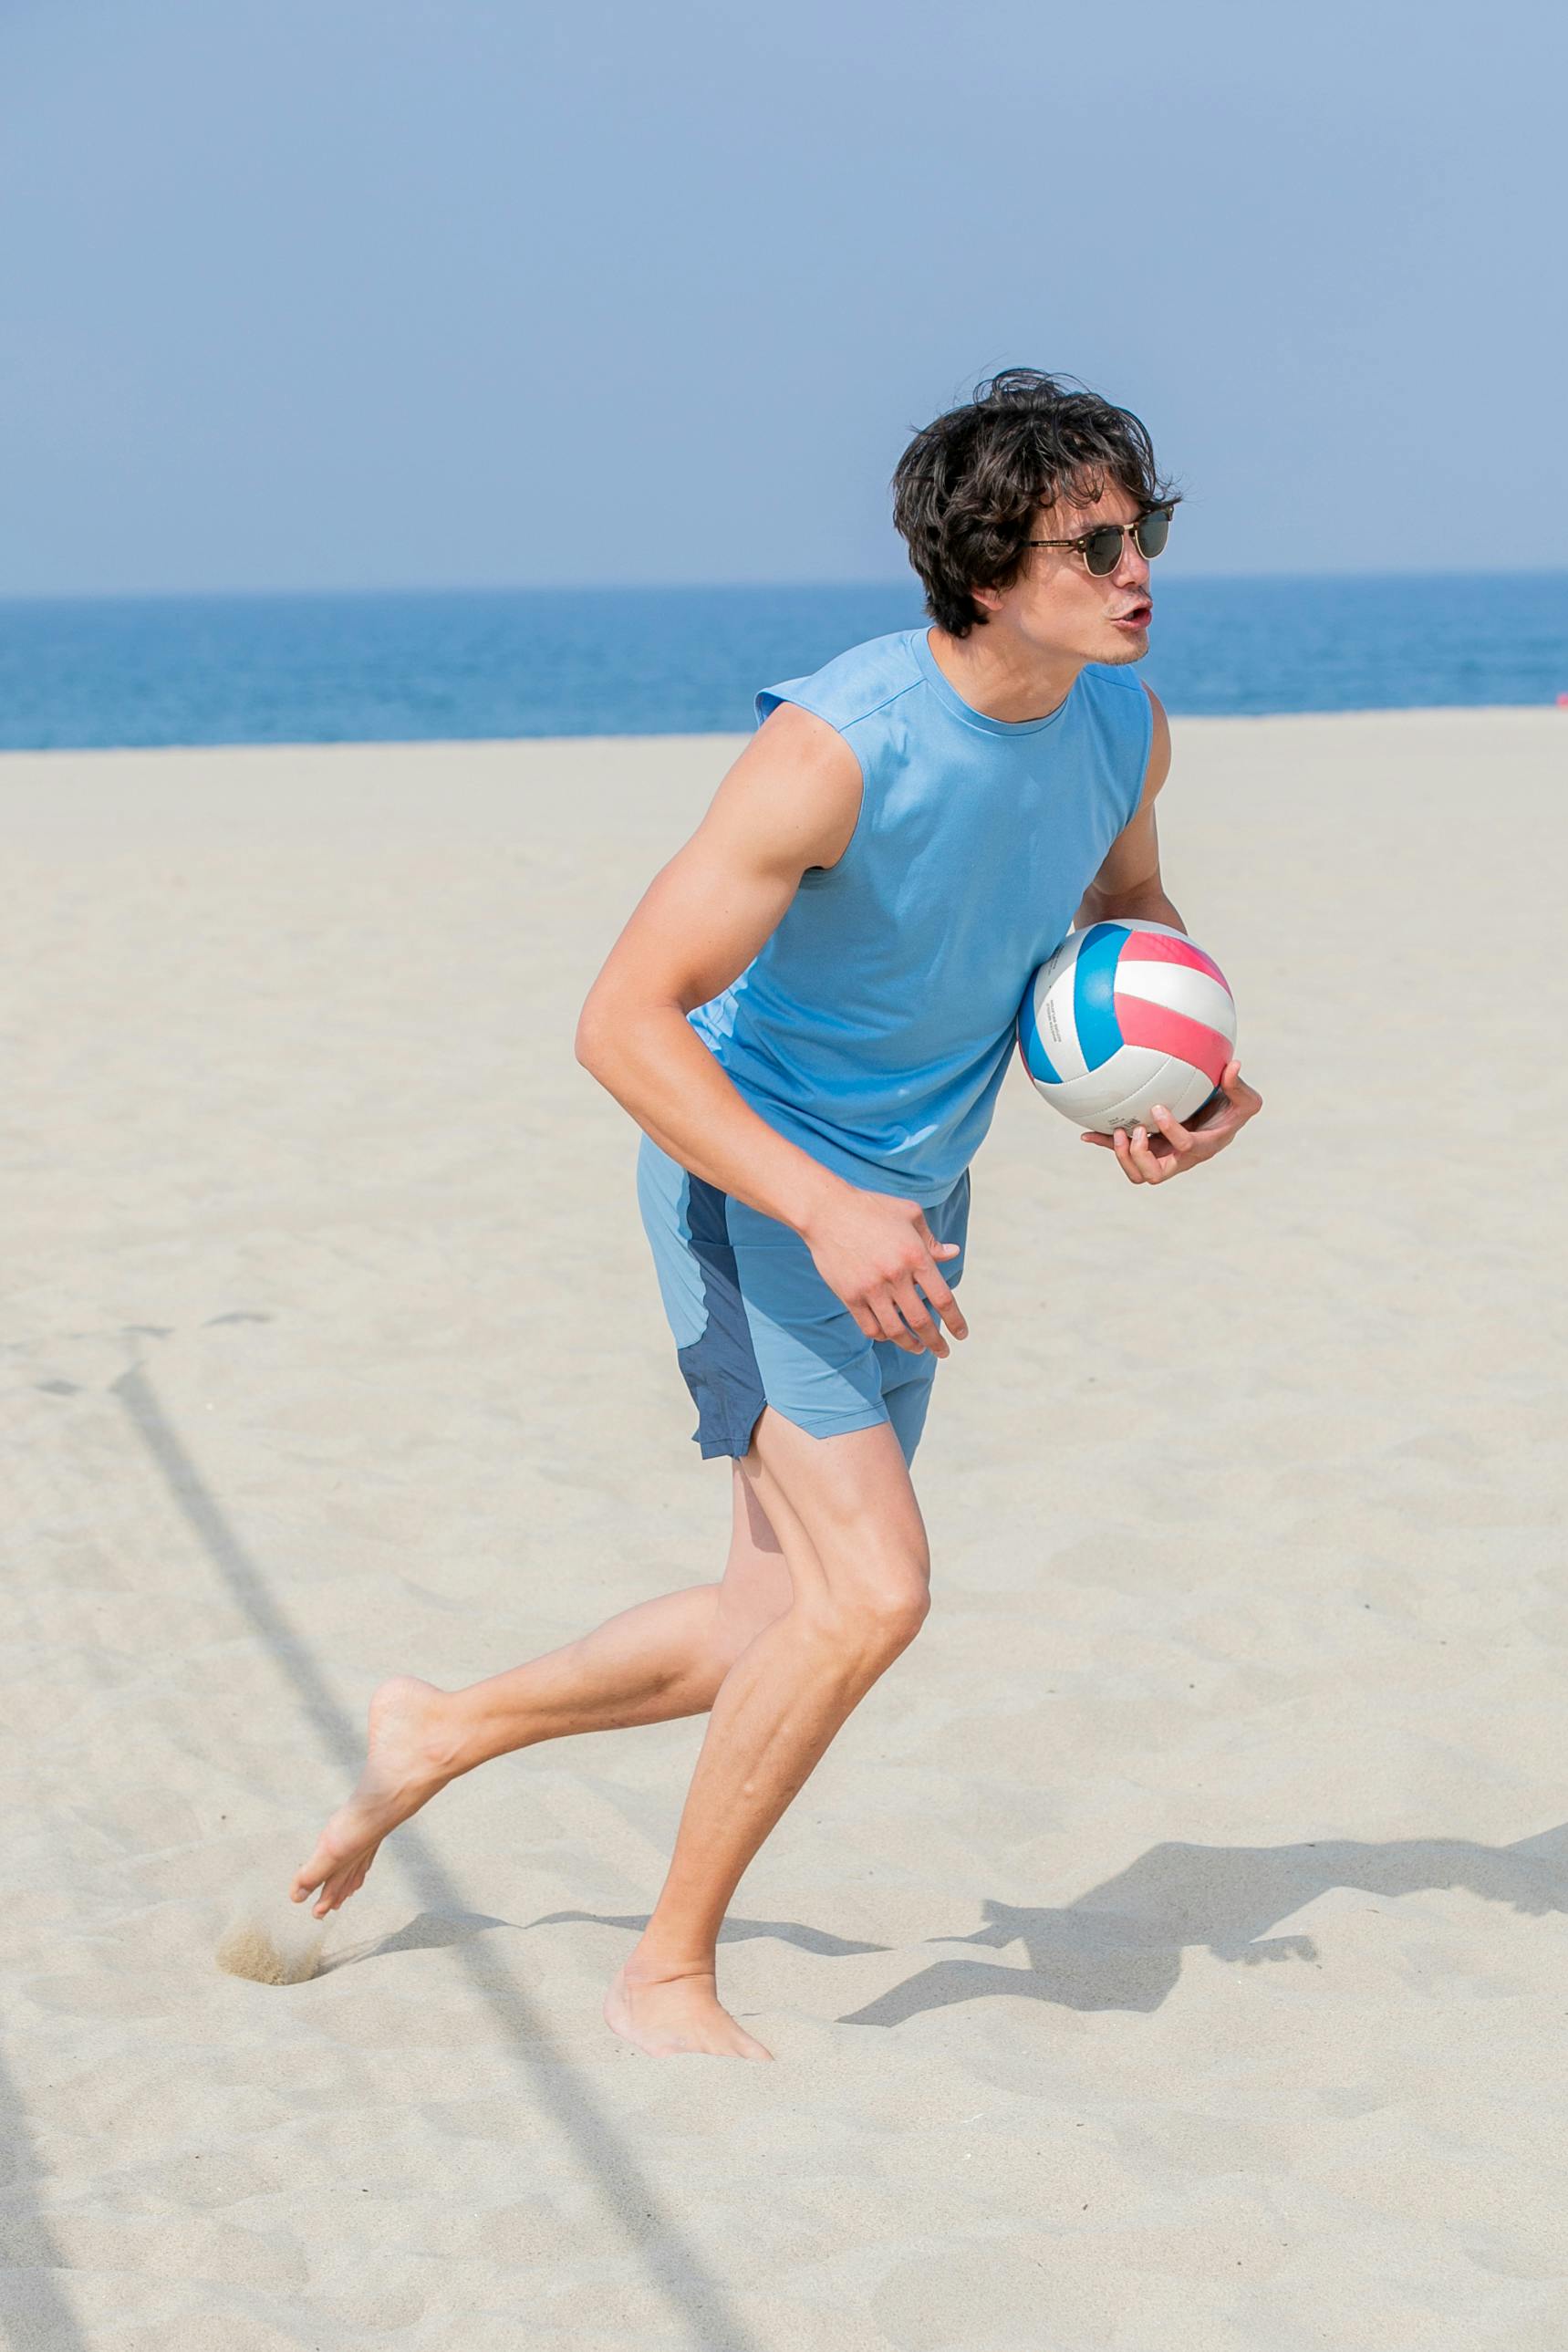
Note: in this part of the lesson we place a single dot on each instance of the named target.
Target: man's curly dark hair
(969, 488)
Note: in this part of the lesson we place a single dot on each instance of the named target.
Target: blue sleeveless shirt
(873, 1027)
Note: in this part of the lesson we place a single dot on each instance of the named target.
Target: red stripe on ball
(1154, 947)
(1142, 1023)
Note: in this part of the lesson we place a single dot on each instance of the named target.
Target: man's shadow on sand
(1120, 1945)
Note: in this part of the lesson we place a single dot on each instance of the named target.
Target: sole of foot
(403, 1772)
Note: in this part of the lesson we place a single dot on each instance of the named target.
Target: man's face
(1058, 604)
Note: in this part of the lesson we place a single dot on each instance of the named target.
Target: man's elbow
(606, 1027)
(588, 1045)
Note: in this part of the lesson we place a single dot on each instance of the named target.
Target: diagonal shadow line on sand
(33, 2309)
(1120, 1945)
(697, 2300)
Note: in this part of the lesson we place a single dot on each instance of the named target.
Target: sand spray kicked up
(269, 1938)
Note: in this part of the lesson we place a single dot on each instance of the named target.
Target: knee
(875, 1615)
(899, 1614)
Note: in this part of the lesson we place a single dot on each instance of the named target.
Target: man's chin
(1125, 645)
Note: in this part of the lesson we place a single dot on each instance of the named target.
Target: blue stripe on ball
(1094, 994)
(1036, 1061)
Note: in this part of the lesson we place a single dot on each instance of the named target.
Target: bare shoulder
(793, 797)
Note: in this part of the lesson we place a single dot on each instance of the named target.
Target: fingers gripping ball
(1123, 1016)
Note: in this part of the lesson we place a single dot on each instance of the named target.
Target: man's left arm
(1129, 887)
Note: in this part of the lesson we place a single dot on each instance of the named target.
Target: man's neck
(1001, 675)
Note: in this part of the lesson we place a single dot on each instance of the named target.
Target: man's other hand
(1147, 1158)
(871, 1249)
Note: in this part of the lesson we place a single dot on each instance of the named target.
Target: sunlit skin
(1021, 664)
(828, 1575)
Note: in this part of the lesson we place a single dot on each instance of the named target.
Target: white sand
(1170, 1954)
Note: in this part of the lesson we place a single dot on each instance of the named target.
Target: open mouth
(1136, 616)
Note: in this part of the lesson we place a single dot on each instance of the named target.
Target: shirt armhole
(767, 701)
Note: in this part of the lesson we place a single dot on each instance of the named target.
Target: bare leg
(846, 1514)
(661, 1659)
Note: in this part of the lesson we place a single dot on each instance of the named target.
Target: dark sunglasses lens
(1153, 532)
(1103, 549)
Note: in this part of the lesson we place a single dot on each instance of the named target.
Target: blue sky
(373, 293)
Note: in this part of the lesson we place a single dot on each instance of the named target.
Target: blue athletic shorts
(755, 1324)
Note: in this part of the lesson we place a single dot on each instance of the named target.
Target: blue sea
(655, 661)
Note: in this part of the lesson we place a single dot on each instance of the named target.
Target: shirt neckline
(948, 695)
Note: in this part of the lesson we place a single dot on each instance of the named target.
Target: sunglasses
(1102, 547)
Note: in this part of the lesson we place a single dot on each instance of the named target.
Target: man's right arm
(790, 800)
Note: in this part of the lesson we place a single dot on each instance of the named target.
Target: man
(810, 1015)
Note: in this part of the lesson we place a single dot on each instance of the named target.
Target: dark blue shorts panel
(720, 1368)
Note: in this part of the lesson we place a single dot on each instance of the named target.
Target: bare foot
(408, 1759)
(668, 2016)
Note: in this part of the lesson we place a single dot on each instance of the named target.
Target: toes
(323, 1862)
(327, 1872)
(340, 1884)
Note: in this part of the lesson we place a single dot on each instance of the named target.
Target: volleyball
(1122, 1016)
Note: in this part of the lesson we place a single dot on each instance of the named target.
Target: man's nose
(1133, 570)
